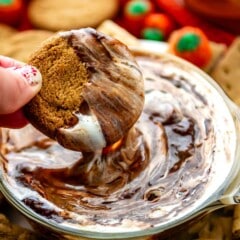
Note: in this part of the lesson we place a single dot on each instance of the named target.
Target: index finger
(7, 62)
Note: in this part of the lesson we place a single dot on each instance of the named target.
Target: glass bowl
(195, 185)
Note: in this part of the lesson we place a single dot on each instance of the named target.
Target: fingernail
(31, 74)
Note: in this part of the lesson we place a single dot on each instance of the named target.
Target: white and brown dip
(173, 159)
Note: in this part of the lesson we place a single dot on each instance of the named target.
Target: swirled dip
(178, 153)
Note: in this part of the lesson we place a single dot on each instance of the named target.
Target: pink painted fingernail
(31, 74)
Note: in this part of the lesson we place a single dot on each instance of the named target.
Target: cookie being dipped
(92, 91)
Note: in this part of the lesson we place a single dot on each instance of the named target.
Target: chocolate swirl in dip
(166, 163)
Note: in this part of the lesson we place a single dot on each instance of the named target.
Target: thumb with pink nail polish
(18, 85)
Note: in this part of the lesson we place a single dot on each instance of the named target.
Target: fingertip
(31, 75)
(7, 62)
(18, 86)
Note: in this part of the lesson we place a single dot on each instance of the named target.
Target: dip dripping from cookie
(92, 91)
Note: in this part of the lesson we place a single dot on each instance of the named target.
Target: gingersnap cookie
(10, 231)
(61, 15)
(20, 45)
(92, 91)
(6, 31)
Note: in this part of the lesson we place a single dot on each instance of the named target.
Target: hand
(19, 83)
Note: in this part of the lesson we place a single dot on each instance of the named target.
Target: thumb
(18, 85)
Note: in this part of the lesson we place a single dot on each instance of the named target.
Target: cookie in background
(114, 30)
(21, 44)
(57, 15)
(10, 231)
(6, 31)
(227, 71)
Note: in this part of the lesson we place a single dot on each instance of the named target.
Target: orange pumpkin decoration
(135, 12)
(11, 11)
(191, 44)
(159, 22)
